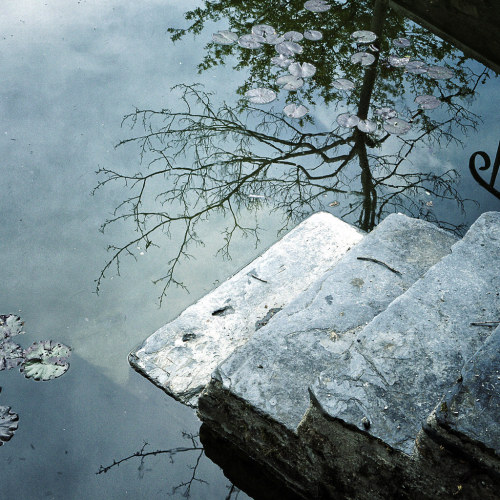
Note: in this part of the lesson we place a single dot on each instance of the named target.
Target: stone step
(387, 378)
(269, 377)
(181, 355)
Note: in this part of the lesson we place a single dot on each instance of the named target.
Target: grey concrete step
(271, 374)
(181, 355)
(387, 378)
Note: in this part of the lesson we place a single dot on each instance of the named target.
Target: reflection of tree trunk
(367, 216)
(377, 25)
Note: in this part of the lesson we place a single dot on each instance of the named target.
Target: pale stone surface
(180, 356)
(272, 372)
(388, 378)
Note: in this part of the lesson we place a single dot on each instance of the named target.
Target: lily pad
(313, 35)
(428, 101)
(416, 67)
(398, 62)
(11, 355)
(401, 43)
(10, 325)
(295, 111)
(347, 120)
(343, 84)
(364, 36)
(396, 126)
(260, 95)
(8, 424)
(293, 36)
(251, 41)
(224, 37)
(288, 48)
(385, 113)
(290, 82)
(363, 58)
(317, 6)
(367, 126)
(263, 30)
(304, 70)
(282, 61)
(440, 72)
(45, 360)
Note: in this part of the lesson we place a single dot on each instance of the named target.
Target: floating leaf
(282, 61)
(295, 111)
(396, 126)
(304, 70)
(401, 42)
(288, 48)
(293, 36)
(224, 37)
(251, 41)
(428, 101)
(313, 35)
(347, 120)
(45, 360)
(8, 424)
(263, 30)
(440, 72)
(416, 67)
(363, 58)
(385, 113)
(398, 62)
(367, 126)
(11, 355)
(290, 82)
(10, 325)
(260, 95)
(343, 84)
(317, 6)
(363, 36)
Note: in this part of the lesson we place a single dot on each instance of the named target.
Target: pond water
(71, 69)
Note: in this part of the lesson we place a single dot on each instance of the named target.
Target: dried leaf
(11, 355)
(8, 423)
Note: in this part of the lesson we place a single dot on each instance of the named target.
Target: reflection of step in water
(331, 391)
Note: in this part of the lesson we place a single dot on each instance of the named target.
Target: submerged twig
(370, 259)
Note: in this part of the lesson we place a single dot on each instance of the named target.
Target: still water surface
(70, 71)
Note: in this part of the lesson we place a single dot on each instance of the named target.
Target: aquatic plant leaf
(398, 62)
(363, 58)
(260, 95)
(288, 48)
(428, 101)
(293, 36)
(367, 126)
(273, 39)
(8, 424)
(304, 70)
(282, 61)
(401, 42)
(251, 41)
(396, 126)
(11, 355)
(364, 36)
(343, 84)
(10, 325)
(224, 37)
(263, 30)
(45, 360)
(416, 67)
(440, 72)
(385, 113)
(295, 111)
(347, 120)
(313, 35)
(317, 6)
(290, 82)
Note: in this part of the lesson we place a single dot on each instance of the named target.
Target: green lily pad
(11, 355)
(10, 325)
(8, 423)
(45, 360)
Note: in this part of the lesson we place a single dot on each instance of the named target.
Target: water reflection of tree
(210, 159)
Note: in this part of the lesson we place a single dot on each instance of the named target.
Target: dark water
(70, 71)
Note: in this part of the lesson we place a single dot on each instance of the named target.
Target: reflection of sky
(70, 71)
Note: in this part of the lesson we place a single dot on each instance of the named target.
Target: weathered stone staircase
(352, 366)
